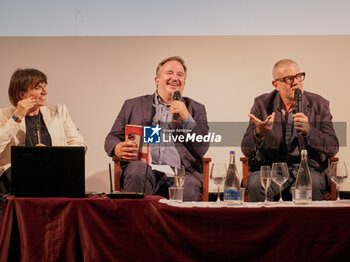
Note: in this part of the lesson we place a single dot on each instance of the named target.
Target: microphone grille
(297, 94)
(177, 95)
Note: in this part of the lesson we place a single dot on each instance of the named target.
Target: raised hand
(301, 123)
(127, 151)
(23, 106)
(263, 127)
(178, 107)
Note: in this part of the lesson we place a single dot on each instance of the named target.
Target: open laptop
(57, 171)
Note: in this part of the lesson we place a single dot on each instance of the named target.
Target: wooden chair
(205, 161)
(245, 171)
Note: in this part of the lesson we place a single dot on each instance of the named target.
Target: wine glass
(279, 175)
(217, 175)
(338, 174)
(179, 176)
(265, 179)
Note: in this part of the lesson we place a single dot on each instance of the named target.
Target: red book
(134, 133)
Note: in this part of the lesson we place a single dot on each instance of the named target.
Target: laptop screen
(57, 171)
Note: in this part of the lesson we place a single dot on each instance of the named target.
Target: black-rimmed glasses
(290, 79)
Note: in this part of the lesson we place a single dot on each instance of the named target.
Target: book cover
(134, 134)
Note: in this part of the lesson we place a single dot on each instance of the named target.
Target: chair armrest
(116, 173)
(206, 163)
(245, 169)
(333, 194)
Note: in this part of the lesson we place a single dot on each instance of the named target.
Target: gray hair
(280, 63)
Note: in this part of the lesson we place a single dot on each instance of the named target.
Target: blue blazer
(140, 111)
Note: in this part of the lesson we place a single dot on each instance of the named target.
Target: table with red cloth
(102, 229)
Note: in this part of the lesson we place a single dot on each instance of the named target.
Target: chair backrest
(245, 171)
(206, 163)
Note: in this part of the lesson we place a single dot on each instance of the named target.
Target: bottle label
(303, 195)
(231, 194)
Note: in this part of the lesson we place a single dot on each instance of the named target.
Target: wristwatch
(16, 118)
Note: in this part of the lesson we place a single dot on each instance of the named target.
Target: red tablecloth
(102, 229)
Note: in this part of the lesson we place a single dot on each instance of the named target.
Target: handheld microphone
(298, 108)
(297, 98)
(176, 96)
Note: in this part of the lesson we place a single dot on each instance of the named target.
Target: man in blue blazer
(159, 109)
(276, 133)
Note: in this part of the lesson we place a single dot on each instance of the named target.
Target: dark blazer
(321, 142)
(140, 111)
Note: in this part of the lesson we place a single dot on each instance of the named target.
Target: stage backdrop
(94, 75)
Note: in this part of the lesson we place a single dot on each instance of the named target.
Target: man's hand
(178, 107)
(23, 106)
(301, 123)
(263, 127)
(126, 151)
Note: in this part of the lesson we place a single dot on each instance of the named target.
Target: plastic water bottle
(303, 184)
(232, 186)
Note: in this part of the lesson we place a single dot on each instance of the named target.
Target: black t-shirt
(37, 131)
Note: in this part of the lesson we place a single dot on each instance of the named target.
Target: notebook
(56, 171)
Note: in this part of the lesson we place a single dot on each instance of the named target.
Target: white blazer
(61, 128)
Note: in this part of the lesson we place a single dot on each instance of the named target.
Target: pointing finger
(254, 118)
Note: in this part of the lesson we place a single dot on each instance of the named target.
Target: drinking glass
(265, 179)
(338, 174)
(279, 175)
(217, 175)
(179, 176)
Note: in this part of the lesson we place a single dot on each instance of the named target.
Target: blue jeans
(256, 191)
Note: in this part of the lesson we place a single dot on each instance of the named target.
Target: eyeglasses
(290, 79)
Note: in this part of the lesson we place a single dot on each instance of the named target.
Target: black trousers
(5, 182)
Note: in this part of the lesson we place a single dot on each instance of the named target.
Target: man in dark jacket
(159, 109)
(277, 133)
